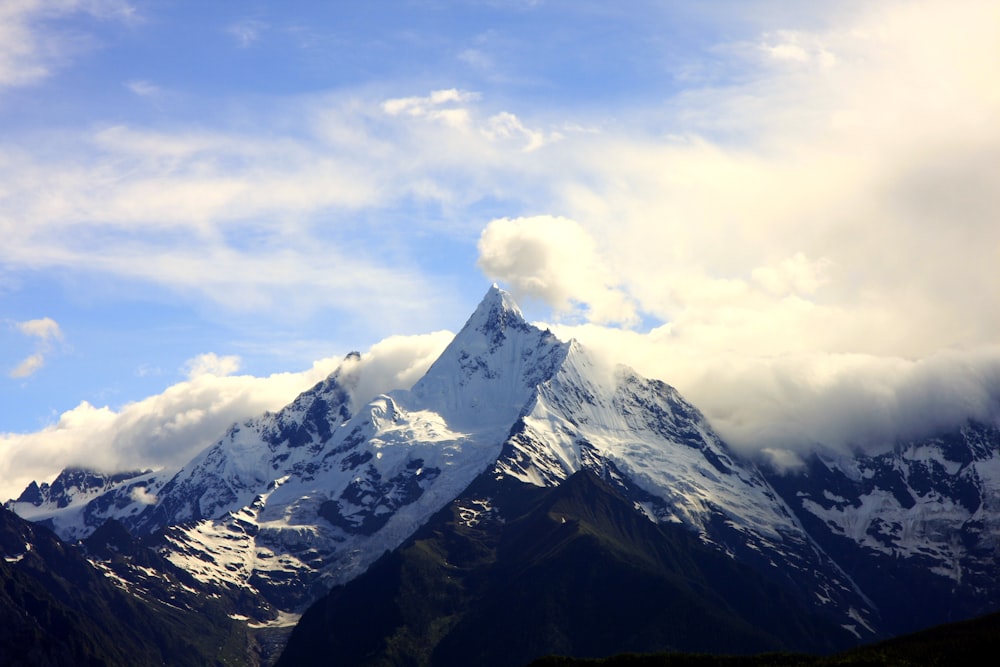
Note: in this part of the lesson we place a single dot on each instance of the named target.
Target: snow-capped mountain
(78, 501)
(309, 497)
(285, 506)
(56, 608)
(919, 524)
(293, 502)
(659, 451)
(510, 571)
(70, 487)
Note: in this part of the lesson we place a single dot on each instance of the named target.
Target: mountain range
(527, 485)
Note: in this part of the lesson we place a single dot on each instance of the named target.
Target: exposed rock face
(287, 505)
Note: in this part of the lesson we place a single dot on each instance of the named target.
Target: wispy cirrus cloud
(31, 47)
(247, 31)
(823, 208)
(250, 219)
(803, 196)
(144, 88)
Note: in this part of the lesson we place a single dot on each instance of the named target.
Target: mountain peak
(489, 371)
(495, 313)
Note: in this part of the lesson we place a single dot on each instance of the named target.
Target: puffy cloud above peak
(811, 211)
(554, 259)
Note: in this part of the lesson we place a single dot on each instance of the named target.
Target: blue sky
(788, 210)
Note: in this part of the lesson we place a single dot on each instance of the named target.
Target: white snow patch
(284, 620)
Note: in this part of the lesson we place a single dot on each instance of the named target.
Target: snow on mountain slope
(659, 451)
(484, 378)
(380, 476)
(934, 503)
(231, 473)
(588, 416)
(286, 505)
(78, 500)
(293, 502)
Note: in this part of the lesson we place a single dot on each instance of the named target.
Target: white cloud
(28, 366)
(507, 126)
(554, 259)
(423, 106)
(793, 275)
(271, 220)
(148, 370)
(174, 210)
(846, 401)
(212, 364)
(143, 88)
(247, 31)
(478, 59)
(167, 429)
(440, 105)
(791, 403)
(799, 48)
(31, 45)
(394, 363)
(141, 495)
(46, 331)
(782, 460)
(454, 108)
(838, 202)
(846, 207)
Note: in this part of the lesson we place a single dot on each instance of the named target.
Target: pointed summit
(489, 371)
(496, 313)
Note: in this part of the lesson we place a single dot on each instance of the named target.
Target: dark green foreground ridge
(57, 609)
(573, 569)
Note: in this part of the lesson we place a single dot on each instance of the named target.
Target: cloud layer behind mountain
(792, 216)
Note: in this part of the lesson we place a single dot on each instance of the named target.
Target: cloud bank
(820, 243)
(815, 231)
(166, 430)
(785, 406)
(554, 259)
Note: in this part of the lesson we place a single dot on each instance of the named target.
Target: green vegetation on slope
(57, 609)
(572, 569)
